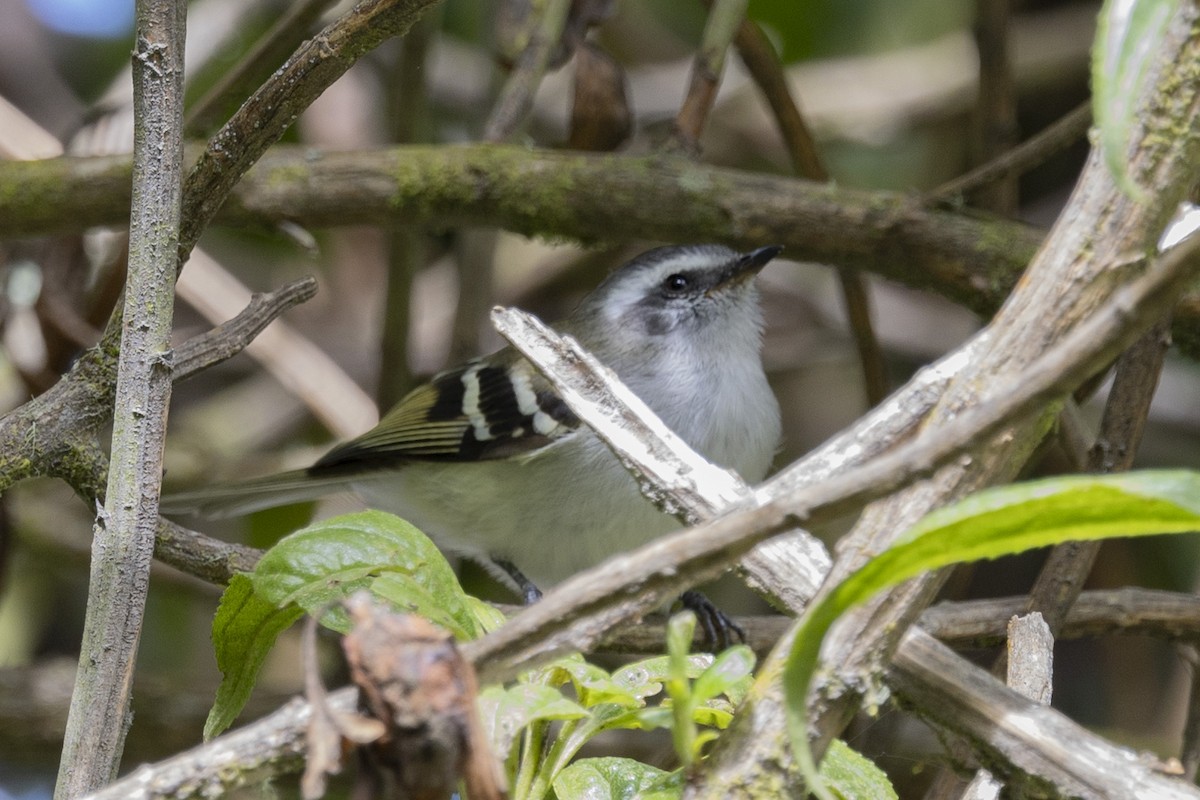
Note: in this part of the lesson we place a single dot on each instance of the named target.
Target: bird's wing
(480, 411)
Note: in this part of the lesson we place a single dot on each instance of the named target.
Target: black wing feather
(514, 411)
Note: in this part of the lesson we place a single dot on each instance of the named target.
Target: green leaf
(244, 630)
(645, 678)
(853, 776)
(314, 568)
(593, 685)
(504, 713)
(615, 779)
(730, 672)
(993, 523)
(1127, 45)
(713, 718)
(409, 596)
(317, 566)
(489, 617)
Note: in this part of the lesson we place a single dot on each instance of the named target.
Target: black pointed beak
(757, 259)
(748, 265)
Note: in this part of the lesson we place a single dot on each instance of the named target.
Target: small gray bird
(489, 462)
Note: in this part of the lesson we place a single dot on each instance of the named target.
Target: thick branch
(588, 197)
(970, 260)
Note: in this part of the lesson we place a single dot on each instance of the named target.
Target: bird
(489, 462)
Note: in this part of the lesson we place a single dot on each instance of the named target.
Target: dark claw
(530, 594)
(720, 631)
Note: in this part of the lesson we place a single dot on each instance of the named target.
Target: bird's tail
(244, 497)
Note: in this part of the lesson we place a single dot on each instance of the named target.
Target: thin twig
(516, 98)
(255, 66)
(406, 249)
(1022, 158)
(759, 56)
(270, 111)
(229, 338)
(123, 543)
(289, 357)
(1189, 750)
(202, 556)
(977, 624)
(724, 19)
(477, 247)
(997, 122)
(761, 60)
(1067, 567)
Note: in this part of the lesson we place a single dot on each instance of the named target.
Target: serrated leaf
(853, 776)
(244, 630)
(1127, 44)
(615, 779)
(993, 523)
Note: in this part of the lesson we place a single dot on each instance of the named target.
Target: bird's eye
(676, 283)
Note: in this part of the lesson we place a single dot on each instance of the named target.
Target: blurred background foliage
(889, 90)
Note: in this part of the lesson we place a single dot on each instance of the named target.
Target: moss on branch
(971, 260)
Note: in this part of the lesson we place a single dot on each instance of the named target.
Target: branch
(592, 198)
(1027, 744)
(1067, 567)
(1129, 611)
(724, 19)
(123, 545)
(758, 54)
(255, 66)
(270, 111)
(1022, 158)
(972, 261)
(977, 624)
(229, 338)
(272, 746)
(996, 109)
(1030, 673)
(516, 98)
